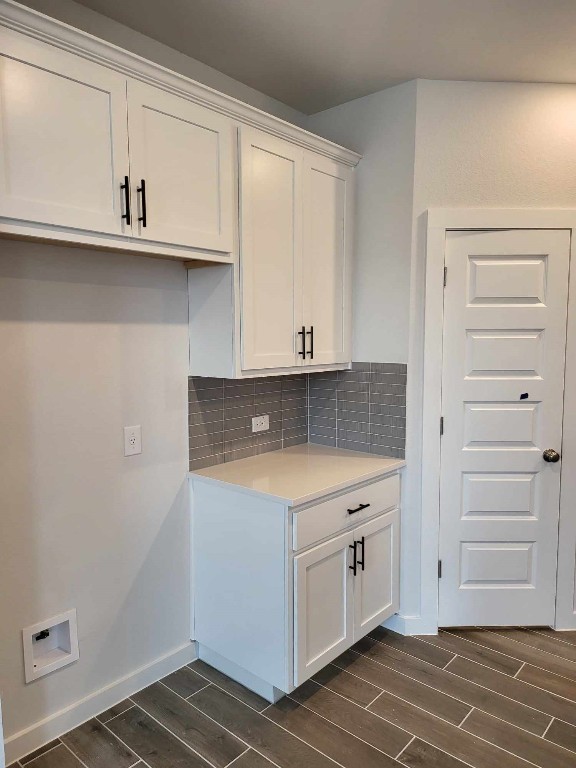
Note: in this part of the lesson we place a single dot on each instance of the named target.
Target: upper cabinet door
(63, 138)
(270, 250)
(184, 154)
(328, 203)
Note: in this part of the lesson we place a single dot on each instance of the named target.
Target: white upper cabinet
(295, 236)
(327, 211)
(271, 248)
(63, 138)
(182, 170)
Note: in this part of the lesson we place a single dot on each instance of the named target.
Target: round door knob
(551, 455)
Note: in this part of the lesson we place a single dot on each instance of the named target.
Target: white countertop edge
(394, 466)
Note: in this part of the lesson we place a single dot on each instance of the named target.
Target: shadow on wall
(90, 342)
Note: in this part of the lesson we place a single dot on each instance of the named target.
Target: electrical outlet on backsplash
(361, 409)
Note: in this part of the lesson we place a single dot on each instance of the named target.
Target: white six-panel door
(271, 246)
(185, 155)
(328, 193)
(502, 393)
(63, 138)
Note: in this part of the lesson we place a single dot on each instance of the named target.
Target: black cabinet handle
(142, 190)
(311, 334)
(302, 333)
(126, 188)
(359, 508)
(354, 565)
(361, 542)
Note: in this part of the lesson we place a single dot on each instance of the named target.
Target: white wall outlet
(132, 440)
(260, 423)
(50, 645)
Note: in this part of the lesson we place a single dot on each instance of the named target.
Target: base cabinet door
(376, 581)
(323, 612)
(182, 170)
(63, 138)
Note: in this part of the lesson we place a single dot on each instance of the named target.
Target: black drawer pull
(358, 509)
(354, 565)
(311, 334)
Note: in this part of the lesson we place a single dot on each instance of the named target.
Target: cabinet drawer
(316, 523)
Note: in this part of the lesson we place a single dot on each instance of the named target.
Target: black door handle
(361, 562)
(126, 188)
(354, 565)
(302, 333)
(551, 456)
(359, 508)
(311, 334)
(142, 190)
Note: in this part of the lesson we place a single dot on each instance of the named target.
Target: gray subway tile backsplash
(362, 409)
(365, 408)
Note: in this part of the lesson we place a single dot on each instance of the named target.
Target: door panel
(502, 391)
(323, 615)
(271, 250)
(376, 584)
(327, 239)
(63, 138)
(185, 154)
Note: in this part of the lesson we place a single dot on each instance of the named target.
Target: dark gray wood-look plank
(96, 747)
(230, 686)
(59, 757)
(154, 744)
(465, 690)
(406, 688)
(418, 754)
(185, 682)
(512, 739)
(328, 738)
(442, 735)
(562, 734)
(358, 691)
(412, 645)
(474, 652)
(341, 711)
(117, 709)
(251, 759)
(203, 735)
(548, 681)
(40, 751)
(549, 703)
(519, 651)
(568, 636)
(259, 732)
(540, 642)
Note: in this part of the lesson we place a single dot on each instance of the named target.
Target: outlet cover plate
(260, 423)
(132, 440)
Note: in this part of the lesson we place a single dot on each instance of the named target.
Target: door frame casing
(440, 221)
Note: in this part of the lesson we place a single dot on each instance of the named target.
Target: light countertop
(300, 474)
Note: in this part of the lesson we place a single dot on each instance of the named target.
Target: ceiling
(314, 54)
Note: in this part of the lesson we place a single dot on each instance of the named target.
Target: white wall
(381, 127)
(484, 145)
(91, 342)
(107, 29)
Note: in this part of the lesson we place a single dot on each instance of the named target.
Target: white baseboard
(411, 625)
(22, 743)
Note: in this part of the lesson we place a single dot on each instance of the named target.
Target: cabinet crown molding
(15, 16)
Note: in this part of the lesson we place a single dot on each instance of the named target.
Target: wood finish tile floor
(485, 698)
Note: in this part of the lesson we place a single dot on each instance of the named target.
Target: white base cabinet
(281, 591)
